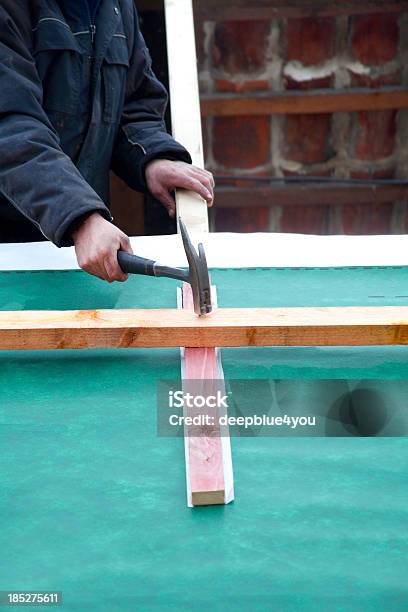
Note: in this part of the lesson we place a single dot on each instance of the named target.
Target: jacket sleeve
(143, 135)
(35, 175)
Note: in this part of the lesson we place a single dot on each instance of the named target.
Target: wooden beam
(207, 449)
(269, 9)
(308, 193)
(216, 10)
(185, 103)
(304, 102)
(80, 329)
(206, 481)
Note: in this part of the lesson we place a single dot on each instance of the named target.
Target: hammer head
(198, 272)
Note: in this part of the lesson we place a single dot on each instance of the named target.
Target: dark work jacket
(76, 100)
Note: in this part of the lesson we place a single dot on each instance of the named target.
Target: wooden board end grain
(207, 449)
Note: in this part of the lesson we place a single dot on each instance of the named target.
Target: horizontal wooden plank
(246, 11)
(224, 327)
(293, 194)
(304, 102)
(269, 9)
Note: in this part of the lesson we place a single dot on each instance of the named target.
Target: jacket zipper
(92, 26)
(92, 30)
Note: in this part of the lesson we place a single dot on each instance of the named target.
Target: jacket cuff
(141, 159)
(131, 158)
(63, 235)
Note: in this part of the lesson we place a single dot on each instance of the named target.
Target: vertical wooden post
(185, 103)
(209, 472)
(208, 457)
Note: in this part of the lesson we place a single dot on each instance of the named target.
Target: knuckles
(85, 264)
(92, 261)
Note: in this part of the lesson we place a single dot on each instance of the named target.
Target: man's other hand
(97, 243)
(164, 176)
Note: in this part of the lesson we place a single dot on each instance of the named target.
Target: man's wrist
(78, 223)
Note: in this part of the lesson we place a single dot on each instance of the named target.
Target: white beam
(185, 103)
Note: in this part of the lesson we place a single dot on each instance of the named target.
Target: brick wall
(303, 54)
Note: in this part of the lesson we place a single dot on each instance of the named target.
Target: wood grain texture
(209, 470)
(271, 9)
(309, 194)
(206, 484)
(351, 326)
(185, 103)
(304, 102)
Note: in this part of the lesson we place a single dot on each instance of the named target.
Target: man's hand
(97, 243)
(164, 176)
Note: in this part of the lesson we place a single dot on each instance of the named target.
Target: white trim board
(225, 250)
(185, 103)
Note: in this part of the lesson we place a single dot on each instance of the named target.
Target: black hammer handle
(132, 264)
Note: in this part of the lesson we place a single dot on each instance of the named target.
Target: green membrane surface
(93, 503)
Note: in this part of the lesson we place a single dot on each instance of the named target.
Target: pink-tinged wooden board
(207, 449)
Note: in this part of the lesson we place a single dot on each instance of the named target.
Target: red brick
(373, 173)
(370, 218)
(304, 219)
(225, 85)
(308, 138)
(365, 80)
(323, 83)
(242, 180)
(375, 137)
(241, 142)
(404, 224)
(310, 40)
(251, 219)
(240, 46)
(375, 38)
(306, 172)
